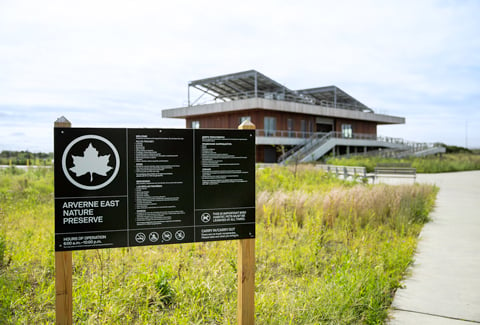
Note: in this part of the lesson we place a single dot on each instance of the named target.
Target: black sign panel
(134, 187)
(223, 185)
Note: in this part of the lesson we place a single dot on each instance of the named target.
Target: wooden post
(246, 271)
(63, 270)
(63, 288)
(246, 282)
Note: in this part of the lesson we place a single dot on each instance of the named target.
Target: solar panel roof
(251, 83)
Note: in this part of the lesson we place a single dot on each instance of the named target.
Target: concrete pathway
(444, 286)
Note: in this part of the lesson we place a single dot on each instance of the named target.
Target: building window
(303, 128)
(270, 126)
(290, 127)
(244, 118)
(195, 124)
(347, 131)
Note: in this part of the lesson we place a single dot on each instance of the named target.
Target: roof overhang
(283, 106)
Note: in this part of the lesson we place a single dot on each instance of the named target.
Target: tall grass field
(327, 252)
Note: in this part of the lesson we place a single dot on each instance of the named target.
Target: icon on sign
(90, 162)
(205, 217)
(167, 236)
(153, 237)
(179, 235)
(140, 237)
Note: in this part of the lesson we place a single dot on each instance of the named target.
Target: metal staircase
(299, 152)
(320, 144)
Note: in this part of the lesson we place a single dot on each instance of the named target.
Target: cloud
(121, 62)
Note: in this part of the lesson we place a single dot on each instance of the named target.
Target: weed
(164, 288)
(3, 248)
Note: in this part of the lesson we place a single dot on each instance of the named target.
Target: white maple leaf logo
(91, 163)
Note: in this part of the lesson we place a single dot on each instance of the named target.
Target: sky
(119, 63)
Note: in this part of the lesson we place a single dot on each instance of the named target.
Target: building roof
(253, 84)
(279, 106)
(325, 96)
(251, 90)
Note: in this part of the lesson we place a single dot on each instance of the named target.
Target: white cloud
(125, 60)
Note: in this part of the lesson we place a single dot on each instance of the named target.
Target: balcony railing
(340, 135)
(283, 96)
(283, 133)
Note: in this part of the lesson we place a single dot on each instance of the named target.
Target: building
(304, 124)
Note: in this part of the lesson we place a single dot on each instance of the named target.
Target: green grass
(327, 251)
(429, 164)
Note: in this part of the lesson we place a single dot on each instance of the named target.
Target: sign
(132, 187)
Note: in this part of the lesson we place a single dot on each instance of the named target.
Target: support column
(246, 270)
(63, 270)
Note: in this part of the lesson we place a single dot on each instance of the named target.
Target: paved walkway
(444, 286)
